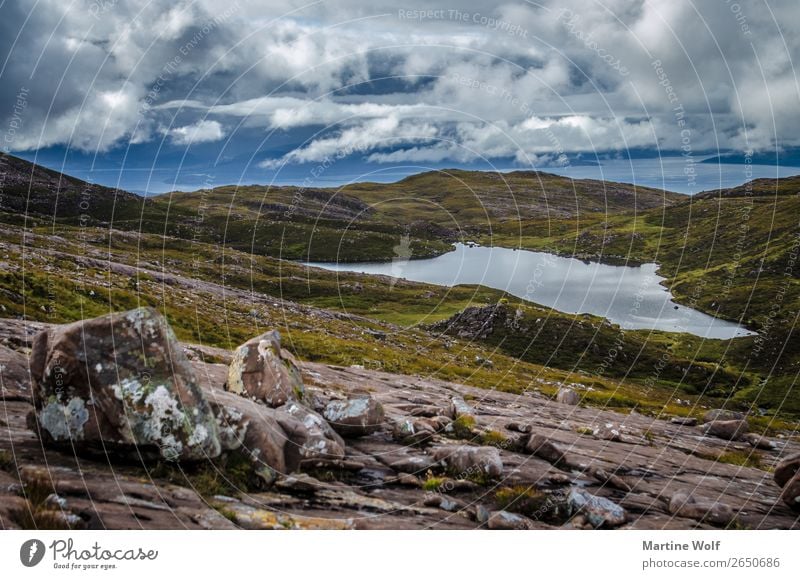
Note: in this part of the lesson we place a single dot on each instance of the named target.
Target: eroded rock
(599, 511)
(726, 429)
(568, 396)
(683, 504)
(465, 461)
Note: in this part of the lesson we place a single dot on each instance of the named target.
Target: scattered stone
(758, 441)
(459, 407)
(505, 521)
(517, 427)
(610, 479)
(568, 396)
(684, 420)
(355, 417)
(260, 369)
(412, 464)
(599, 511)
(541, 447)
(418, 431)
(466, 461)
(480, 514)
(120, 380)
(443, 502)
(726, 429)
(720, 414)
(683, 504)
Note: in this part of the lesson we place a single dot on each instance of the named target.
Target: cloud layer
(519, 80)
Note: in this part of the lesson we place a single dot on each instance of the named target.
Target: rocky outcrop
(120, 380)
(428, 471)
(261, 370)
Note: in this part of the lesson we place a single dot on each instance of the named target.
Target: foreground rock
(261, 370)
(120, 380)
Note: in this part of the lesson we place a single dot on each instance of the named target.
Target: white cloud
(203, 131)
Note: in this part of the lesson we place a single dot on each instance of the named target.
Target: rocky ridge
(344, 447)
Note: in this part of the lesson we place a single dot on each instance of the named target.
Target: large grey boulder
(120, 380)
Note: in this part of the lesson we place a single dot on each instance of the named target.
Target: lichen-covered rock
(319, 441)
(568, 396)
(14, 379)
(467, 461)
(356, 416)
(260, 369)
(120, 379)
(682, 504)
(599, 511)
(726, 429)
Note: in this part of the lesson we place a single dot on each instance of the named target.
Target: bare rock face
(726, 429)
(120, 380)
(356, 416)
(260, 369)
(568, 396)
(459, 407)
(14, 378)
(416, 431)
(464, 461)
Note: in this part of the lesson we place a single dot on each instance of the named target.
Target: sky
(176, 94)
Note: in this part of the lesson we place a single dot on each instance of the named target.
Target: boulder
(791, 492)
(568, 396)
(720, 414)
(120, 380)
(786, 469)
(726, 429)
(541, 447)
(260, 369)
(278, 441)
(682, 504)
(355, 417)
(599, 511)
(467, 461)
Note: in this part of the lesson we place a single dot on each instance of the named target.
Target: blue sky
(176, 95)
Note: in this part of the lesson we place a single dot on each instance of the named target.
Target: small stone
(541, 447)
(758, 441)
(684, 420)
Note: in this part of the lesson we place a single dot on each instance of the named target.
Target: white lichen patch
(65, 422)
(339, 411)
